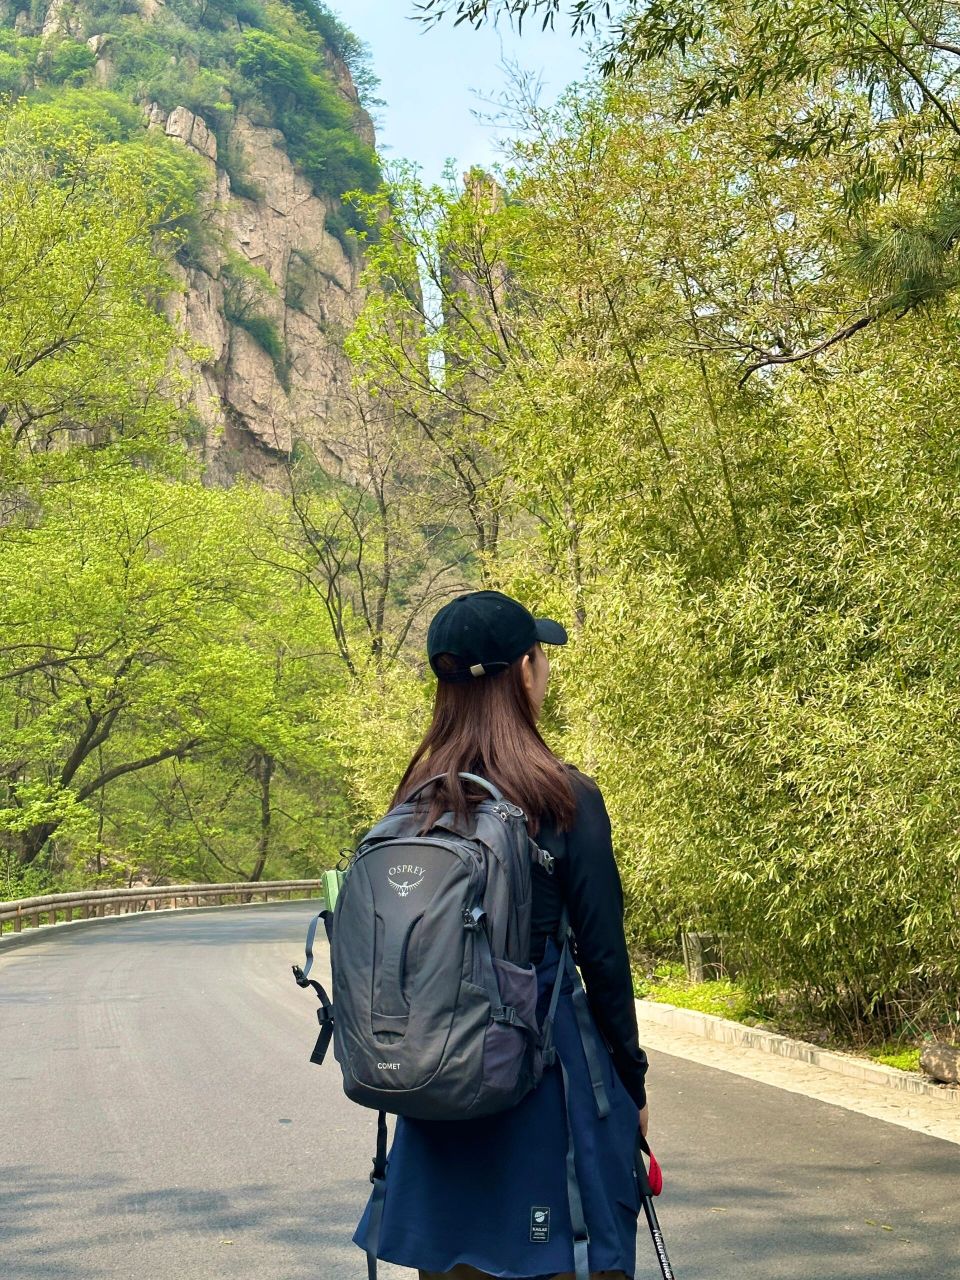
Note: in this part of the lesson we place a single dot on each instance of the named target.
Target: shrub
(15, 74)
(314, 118)
(343, 44)
(105, 15)
(300, 269)
(18, 57)
(158, 62)
(289, 74)
(265, 333)
(246, 287)
(70, 62)
(215, 14)
(109, 115)
(174, 179)
(336, 161)
(141, 55)
(338, 225)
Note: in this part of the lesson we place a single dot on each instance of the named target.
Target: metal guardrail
(95, 903)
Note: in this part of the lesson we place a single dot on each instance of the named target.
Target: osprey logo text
(404, 887)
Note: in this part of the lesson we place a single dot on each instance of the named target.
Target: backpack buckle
(473, 919)
(543, 858)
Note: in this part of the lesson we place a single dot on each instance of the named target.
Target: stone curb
(722, 1030)
(48, 932)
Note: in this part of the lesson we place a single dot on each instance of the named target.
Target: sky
(429, 78)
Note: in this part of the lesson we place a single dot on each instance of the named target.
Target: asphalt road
(159, 1120)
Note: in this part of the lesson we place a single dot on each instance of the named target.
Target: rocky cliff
(275, 252)
(252, 410)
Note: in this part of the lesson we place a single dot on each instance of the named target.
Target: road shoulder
(938, 1116)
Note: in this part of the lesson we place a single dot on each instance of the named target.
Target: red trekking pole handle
(650, 1184)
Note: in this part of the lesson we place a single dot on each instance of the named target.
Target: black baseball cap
(486, 631)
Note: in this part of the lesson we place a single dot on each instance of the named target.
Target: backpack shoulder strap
(379, 1179)
(301, 975)
(588, 1037)
(467, 777)
(578, 1222)
(581, 1009)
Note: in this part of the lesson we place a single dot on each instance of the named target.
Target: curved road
(159, 1120)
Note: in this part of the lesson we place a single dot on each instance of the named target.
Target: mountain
(264, 96)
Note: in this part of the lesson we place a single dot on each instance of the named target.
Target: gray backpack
(434, 993)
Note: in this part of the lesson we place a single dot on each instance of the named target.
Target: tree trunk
(265, 764)
(32, 842)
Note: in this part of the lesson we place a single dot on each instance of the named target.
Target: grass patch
(668, 984)
(892, 1056)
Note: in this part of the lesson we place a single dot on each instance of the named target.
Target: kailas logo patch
(408, 884)
(540, 1224)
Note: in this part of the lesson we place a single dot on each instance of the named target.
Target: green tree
(435, 338)
(69, 62)
(148, 621)
(97, 612)
(18, 58)
(85, 356)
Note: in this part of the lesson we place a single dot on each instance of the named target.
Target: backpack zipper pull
(505, 811)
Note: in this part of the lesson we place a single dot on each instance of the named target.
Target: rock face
(254, 403)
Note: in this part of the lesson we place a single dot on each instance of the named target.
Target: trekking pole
(650, 1185)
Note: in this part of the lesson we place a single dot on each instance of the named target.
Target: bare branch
(46, 664)
(841, 335)
(134, 766)
(944, 46)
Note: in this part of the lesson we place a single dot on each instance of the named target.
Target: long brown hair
(487, 726)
